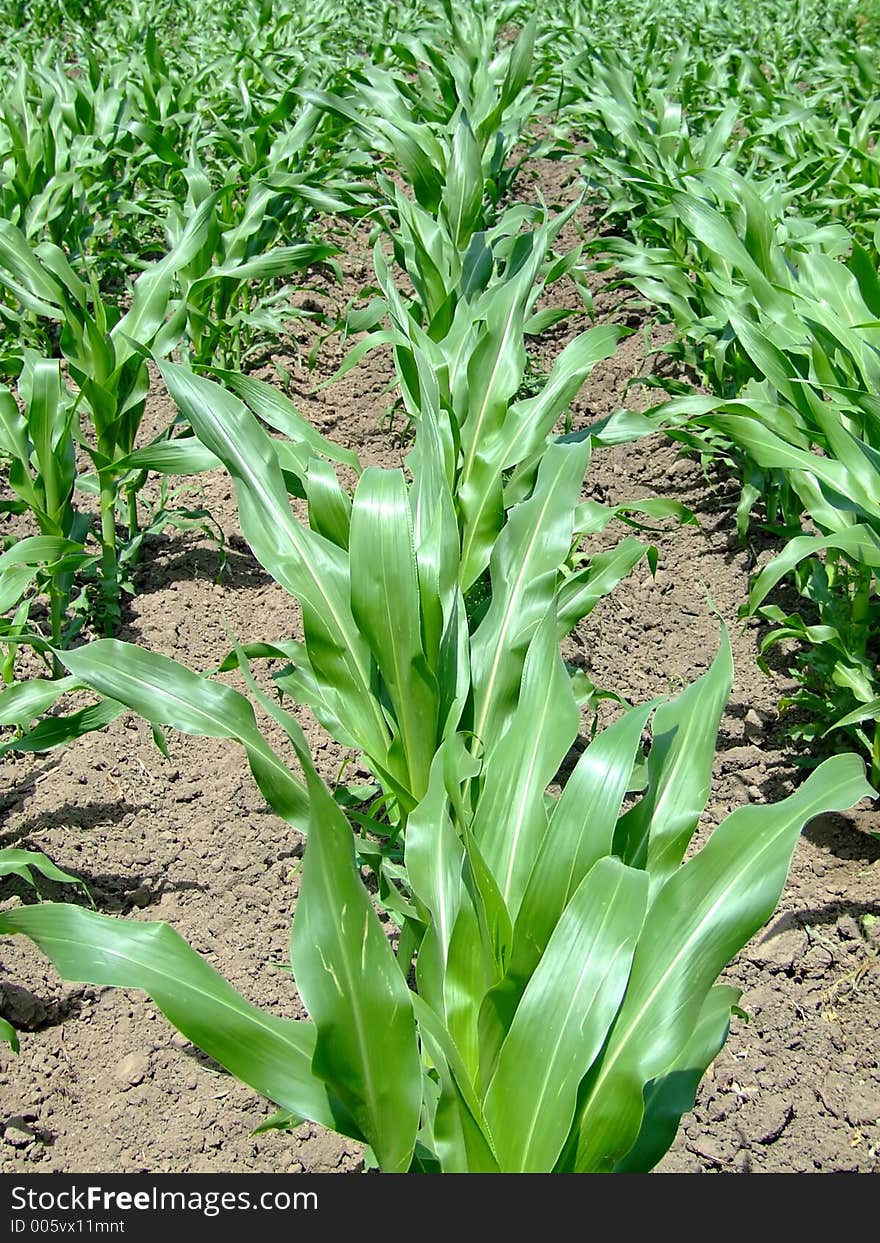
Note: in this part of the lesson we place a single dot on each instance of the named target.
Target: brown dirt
(103, 1083)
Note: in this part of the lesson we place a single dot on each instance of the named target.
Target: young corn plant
(61, 157)
(105, 354)
(473, 71)
(37, 447)
(484, 304)
(226, 287)
(803, 429)
(825, 385)
(459, 250)
(464, 92)
(551, 1004)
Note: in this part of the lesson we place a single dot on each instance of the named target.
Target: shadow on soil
(82, 816)
(838, 835)
(29, 1013)
(173, 559)
(799, 921)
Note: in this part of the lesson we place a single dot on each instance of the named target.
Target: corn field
(440, 586)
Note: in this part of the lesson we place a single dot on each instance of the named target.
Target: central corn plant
(550, 1004)
(466, 357)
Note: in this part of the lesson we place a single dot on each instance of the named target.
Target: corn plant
(798, 415)
(563, 1007)
(223, 293)
(823, 384)
(415, 118)
(104, 350)
(483, 307)
(59, 156)
(469, 70)
(37, 445)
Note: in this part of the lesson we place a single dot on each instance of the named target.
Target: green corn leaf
(15, 862)
(166, 693)
(58, 731)
(859, 542)
(470, 972)
(353, 989)
(717, 234)
(539, 323)
(272, 1055)
(530, 422)
(493, 916)
(385, 603)
(55, 262)
(26, 277)
(463, 190)
(329, 506)
(144, 318)
(9, 1035)
(48, 424)
(434, 863)
(772, 452)
(864, 712)
(580, 832)
(581, 592)
(282, 1120)
(525, 563)
(435, 535)
(656, 832)
(25, 701)
(510, 820)
(563, 1018)
(13, 427)
(591, 517)
(280, 261)
(672, 1095)
(36, 550)
(14, 582)
(184, 455)
(701, 917)
(311, 568)
(494, 373)
(461, 1135)
(275, 409)
(519, 67)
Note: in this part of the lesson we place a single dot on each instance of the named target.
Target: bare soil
(103, 1083)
